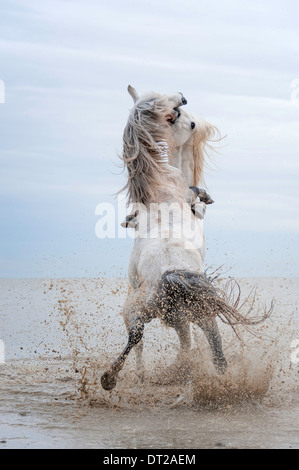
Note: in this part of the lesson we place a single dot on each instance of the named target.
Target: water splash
(259, 366)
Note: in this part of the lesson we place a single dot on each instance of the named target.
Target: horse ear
(133, 93)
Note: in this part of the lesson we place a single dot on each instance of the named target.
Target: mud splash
(60, 335)
(259, 367)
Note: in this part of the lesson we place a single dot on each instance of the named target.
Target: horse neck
(171, 188)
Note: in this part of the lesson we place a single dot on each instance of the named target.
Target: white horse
(165, 272)
(191, 141)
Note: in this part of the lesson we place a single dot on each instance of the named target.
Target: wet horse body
(165, 272)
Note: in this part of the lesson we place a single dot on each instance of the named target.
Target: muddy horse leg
(108, 379)
(183, 365)
(183, 332)
(138, 349)
(211, 330)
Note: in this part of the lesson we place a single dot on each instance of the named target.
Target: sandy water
(60, 335)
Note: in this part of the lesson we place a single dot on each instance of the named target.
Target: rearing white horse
(165, 272)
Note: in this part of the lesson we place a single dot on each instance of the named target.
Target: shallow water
(60, 335)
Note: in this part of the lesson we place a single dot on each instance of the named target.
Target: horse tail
(209, 299)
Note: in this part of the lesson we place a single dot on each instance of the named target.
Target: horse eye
(192, 125)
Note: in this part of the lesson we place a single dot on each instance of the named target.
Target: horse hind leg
(182, 363)
(109, 378)
(139, 361)
(138, 349)
(183, 332)
(210, 328)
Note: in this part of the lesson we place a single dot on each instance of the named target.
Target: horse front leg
(109, 378)
(210, 328)
(183, 332)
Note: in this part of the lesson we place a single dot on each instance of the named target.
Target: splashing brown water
(61, 335)
(253, 372)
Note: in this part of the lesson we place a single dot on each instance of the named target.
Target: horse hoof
(220, 365)
(108, 381)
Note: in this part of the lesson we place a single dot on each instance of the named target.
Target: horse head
(174, 100)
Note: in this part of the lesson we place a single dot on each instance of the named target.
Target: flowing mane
(206, 134)
(147, 143)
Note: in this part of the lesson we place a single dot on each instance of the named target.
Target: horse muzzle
(173, 116)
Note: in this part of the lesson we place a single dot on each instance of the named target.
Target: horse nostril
(192, 125)
(177, 111)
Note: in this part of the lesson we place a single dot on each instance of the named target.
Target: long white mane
(147, 145)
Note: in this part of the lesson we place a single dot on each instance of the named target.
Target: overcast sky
(66, 66)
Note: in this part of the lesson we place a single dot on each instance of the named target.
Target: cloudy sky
(66, 65)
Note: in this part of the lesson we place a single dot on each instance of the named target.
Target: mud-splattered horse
(192, 139)
(165, 272)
